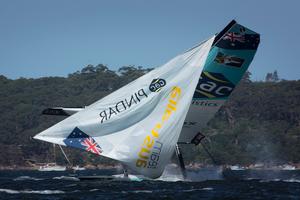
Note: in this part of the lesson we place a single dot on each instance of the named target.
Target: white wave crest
(141, 191)
(24, 178)
(9, 191)
(130, 177)
(171, 173)
(208, 188)
(68, 178)
(93, 190)
(270, 180)
(292, 180)
(199, 189)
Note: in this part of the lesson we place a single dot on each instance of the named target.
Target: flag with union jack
(232, 40)
(79, 139)
(233, 37)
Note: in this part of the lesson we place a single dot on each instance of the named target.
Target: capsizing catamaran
(141, 123)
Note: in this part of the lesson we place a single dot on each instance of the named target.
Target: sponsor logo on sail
(149, 154)
(229, 60)
(204, 103)
(123, 105)
(157, 84)
(213, 85)
(130, 101)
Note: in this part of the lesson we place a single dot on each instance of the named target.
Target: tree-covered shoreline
(259, 123)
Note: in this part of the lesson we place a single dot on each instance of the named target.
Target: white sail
(140, 123)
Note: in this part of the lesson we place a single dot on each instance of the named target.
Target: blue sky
(58, 37)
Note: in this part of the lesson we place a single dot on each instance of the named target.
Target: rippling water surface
(239, 185)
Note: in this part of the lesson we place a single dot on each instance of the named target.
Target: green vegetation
(260, 122)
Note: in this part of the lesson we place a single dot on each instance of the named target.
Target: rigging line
(65, 155)
(209, 154)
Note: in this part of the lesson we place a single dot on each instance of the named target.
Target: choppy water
(62, 185)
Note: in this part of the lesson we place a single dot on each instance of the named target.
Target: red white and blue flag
(79, 139)
(239, 41)
(233, 37)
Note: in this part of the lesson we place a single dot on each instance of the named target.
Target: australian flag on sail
(79, 139)
(235, 40)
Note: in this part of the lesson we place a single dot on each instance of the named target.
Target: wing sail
(140, 123)
(230, 56)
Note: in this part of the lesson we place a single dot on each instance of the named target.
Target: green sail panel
(229, 58)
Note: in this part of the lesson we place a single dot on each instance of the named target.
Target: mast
(54, 154)
(180, 160)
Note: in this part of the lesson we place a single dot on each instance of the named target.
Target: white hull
(77, 168)
(52, 168)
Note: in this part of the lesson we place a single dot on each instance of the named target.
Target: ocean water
(202, 184)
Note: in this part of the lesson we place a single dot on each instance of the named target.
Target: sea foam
(10, 191)
(25, 178)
